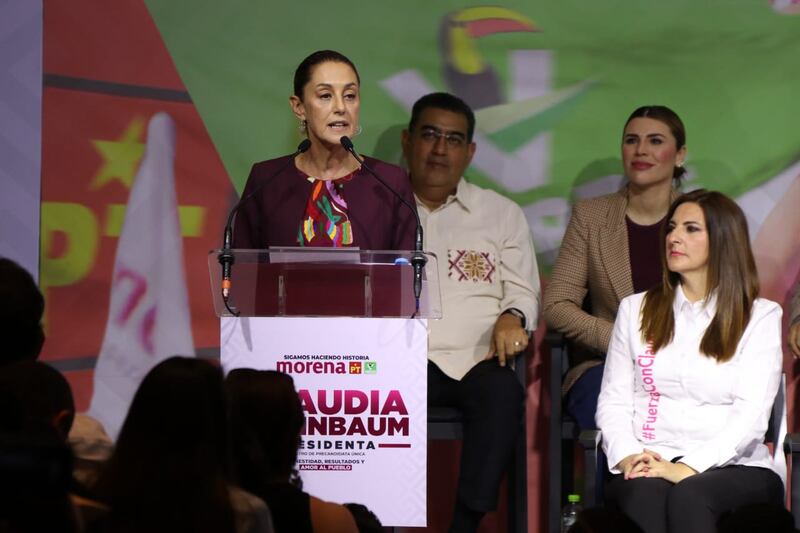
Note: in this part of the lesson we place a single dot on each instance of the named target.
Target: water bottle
(570, 512)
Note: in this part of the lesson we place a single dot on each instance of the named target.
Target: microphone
(225, 257)
(418, 259)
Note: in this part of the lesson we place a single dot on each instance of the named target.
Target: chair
(791, 446)
(592, 493)
(563, 434)
(445, 423)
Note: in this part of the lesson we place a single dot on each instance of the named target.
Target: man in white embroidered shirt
(490, 297)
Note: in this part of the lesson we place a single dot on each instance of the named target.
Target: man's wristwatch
(517, 313)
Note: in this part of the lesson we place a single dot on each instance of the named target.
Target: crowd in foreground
(196, 453)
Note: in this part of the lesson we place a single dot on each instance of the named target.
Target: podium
(345, 325)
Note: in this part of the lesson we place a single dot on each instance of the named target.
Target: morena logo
(327, 367)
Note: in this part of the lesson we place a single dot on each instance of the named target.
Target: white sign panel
(363, 383)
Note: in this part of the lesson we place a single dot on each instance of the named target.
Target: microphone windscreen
(304, 145)
(346, 142)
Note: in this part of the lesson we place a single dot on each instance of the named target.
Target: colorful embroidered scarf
(325, 222)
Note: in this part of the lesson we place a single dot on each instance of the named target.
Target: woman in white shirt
(691, 374)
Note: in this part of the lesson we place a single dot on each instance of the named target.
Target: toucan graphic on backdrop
(465, 72)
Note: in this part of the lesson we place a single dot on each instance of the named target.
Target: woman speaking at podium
(321, 195)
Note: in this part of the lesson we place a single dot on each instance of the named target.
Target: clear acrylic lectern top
(325, 282)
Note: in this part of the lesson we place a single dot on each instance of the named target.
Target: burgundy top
(644, 249)
(378, 219)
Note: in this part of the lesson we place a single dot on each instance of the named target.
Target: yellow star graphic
(120, 157)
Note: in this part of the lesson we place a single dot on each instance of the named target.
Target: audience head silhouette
(36, 410)
(20, 315)
(168, 471)
(42, 396)
(266, 417)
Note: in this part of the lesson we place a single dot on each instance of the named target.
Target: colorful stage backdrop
(552, 83)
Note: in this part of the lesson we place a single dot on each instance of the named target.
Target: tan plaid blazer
(593, 258)
(794, 306)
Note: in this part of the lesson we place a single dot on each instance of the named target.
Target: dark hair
(671, 119)
(303, 73)
(41, 393)
(168, 471)
(757, 517)
(731, 272)
(20, 315)
(266, 417)
(35, 480)
(35, 460)
(445, 101)
(366, 520)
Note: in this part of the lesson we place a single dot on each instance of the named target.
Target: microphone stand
(418, 259)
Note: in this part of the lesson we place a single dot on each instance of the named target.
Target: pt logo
(355, 367)
(370, 367)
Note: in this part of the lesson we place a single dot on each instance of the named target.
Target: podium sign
(363, 384)
(345, 325)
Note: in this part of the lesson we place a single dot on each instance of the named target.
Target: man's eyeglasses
(453, 140)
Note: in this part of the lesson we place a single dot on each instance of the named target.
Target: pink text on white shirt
(645, 362)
